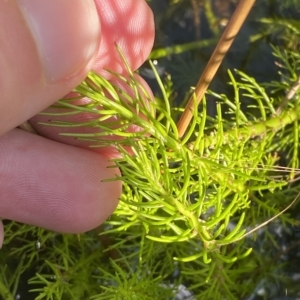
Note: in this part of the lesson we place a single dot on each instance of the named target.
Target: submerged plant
(189, 200)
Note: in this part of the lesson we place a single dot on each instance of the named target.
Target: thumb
(46, 49)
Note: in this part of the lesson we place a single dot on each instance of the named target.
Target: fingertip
(89, 206)
(47, 48)
(58, 187)
(128, 24)
(92, 215)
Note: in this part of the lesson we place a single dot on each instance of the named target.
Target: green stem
(4, 292)
(253, 130)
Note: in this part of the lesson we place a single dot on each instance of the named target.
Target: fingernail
(66, 33)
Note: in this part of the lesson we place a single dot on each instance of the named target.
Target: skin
(45, 182)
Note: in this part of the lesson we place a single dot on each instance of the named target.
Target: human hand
(46, 49)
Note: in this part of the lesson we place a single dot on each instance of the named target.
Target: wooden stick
(215, 61)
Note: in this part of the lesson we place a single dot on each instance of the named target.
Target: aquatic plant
(192, 201)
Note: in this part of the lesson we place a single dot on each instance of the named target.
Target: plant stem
(254, 130)
(5, 292)
(215, 61)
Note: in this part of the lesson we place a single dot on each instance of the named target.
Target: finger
(53, 133)
(130, 25)
(53, 185)
(46, 49)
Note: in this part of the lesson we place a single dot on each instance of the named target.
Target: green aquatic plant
(180, 196)
(192, 203)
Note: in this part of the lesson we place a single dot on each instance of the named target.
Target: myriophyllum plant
(187, 203)
(190, 197)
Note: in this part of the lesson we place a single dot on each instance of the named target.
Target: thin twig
(270, 220)
(289, 96)
(216, 59)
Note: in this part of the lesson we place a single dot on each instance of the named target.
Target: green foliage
(179, 196)
(190, 207)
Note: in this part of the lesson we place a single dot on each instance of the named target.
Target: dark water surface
(182, 23)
